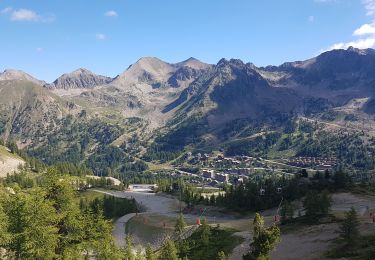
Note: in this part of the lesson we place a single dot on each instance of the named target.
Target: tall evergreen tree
(180, 224)
(316, 204)
(150, 255)
(4, 234)
(350, 228)
(264, 240)
(71, 224)
(287, 211)
(32, 223)
(205, 232)
(169, 251)
(129, 249)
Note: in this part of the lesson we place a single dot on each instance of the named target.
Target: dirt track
(309, 242)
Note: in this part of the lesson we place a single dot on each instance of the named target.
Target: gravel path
(119, 229)
(242, 248)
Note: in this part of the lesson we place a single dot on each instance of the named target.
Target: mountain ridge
(159, 91)
(190, 62)
(13, 74)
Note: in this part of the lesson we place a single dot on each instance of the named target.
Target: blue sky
(48, 38)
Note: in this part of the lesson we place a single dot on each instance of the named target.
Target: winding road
(151, 202)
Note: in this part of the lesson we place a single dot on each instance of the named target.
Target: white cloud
(359, 44)
(24, 15)
(311, 18)
(111, 13)
(365, 29)
(370, 6)
(100, 36)
(365, 34)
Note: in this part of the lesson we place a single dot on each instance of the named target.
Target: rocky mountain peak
(13, 74)
(361, 51)
(80, 78)
(81, 71)
(231, 62)
(147, 70)
(194, 64)
(149, 63)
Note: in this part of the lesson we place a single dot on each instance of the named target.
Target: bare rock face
(155, 73)
(11, 74)
(234, 90)
(184, 74)
(350, 70)
(81, 78)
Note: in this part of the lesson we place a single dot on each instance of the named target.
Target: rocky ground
(9, 163)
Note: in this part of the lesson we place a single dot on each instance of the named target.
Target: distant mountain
(80, 78)
(150, 71)
(187, 71)
(234, 98)
(29, 111)
(166, 94)
(233, 90)
(11, 74)
(339, 75)
(145, 88)
(147, 70)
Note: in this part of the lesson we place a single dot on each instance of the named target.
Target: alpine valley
(154, 112)
(88, 163)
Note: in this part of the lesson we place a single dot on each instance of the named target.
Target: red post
(198, 221)
(373, 218)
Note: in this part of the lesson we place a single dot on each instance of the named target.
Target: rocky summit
(80, 78)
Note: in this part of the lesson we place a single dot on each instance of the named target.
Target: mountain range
(166, 97)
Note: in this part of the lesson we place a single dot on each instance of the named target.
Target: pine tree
(169, 251)
(72, 227)
(221, 256)
(205, 232)
(180, 224)
(150, 255)
(317, 204)
(98, 237)
(129, 248)
(264, 239)
(139, 255)
(350, 228)
(287, 211)
(4, 234)
(32, 223)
